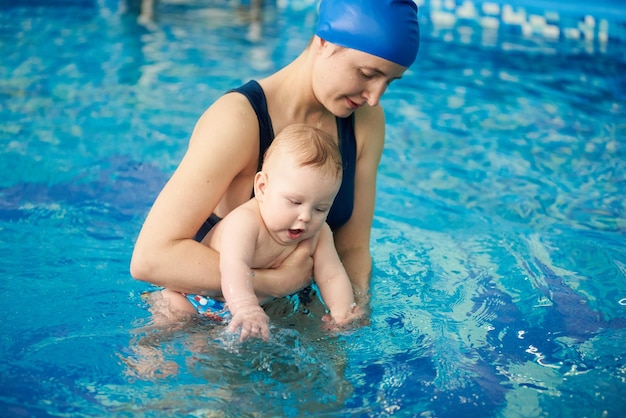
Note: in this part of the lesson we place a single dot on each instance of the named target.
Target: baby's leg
(168, 306)
(178, 302)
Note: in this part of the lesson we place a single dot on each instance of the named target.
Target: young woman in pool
(335, 85)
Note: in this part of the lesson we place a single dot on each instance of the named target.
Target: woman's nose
(375, 92)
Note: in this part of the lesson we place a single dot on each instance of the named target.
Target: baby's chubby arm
(332, 279)
(239, 234)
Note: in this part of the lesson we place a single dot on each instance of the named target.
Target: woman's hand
(355, 317)
(294, 274)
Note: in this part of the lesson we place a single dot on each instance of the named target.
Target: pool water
(499, 283)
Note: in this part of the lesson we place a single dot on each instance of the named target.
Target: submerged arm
(353, 239)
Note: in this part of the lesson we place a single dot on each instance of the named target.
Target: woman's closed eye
(370, 74)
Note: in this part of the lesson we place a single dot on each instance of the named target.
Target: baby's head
(306, 146)
(298, 183)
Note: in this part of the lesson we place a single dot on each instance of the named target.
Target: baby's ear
(260, 183)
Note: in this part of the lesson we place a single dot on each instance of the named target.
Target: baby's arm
(332, 279)
(238, 243)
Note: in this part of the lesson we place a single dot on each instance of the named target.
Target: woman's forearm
(276, 283)
(294, 274)
(358, 265)
(190, 267)
(185, 266)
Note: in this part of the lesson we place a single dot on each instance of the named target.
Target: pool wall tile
(598, 21)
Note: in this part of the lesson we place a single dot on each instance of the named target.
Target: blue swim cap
(385, 28)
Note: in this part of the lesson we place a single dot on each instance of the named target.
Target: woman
(334, 85)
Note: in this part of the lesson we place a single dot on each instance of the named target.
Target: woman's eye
(367, 75)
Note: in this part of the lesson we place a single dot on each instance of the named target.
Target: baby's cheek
(319, 220)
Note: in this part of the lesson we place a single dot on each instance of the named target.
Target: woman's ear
(318, 44)
(260, 183)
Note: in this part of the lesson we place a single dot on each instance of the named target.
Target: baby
(293, 193)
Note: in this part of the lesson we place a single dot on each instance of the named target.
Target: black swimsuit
(341, 210)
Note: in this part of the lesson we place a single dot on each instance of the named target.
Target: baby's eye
(322, 209)
(295, 202)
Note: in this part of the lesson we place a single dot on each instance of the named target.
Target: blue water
(499, 260)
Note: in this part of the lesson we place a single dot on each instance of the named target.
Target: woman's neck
(290, 96)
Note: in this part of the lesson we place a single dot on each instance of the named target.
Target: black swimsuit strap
(255, 95)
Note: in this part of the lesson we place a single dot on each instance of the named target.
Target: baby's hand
(253, 322)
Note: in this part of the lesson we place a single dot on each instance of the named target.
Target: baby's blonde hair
(309, 146)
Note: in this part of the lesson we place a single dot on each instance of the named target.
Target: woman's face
(345, 79)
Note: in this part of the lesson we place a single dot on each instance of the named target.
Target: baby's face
(297, 200)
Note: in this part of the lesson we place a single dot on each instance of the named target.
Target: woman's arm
(352, 240)
(215, 175)
(223, 145)
(294, 274)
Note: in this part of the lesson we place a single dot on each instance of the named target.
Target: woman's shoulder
(232, 105)
(369, 127)
(369, 116)
(230, 117)
(225, 139)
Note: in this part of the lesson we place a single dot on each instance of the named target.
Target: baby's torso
(268, 252)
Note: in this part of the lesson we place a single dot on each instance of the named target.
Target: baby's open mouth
(295, 233)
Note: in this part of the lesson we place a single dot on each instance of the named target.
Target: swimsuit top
(341, 209)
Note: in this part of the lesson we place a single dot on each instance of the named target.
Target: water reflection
(301, 368)
(247, 13)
